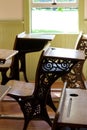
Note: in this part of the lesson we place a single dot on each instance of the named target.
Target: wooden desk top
(73, 109)
(65, 53)
(5, 54)
(47, 37)
(3, 91)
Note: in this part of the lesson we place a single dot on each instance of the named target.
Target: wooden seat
(75, 78)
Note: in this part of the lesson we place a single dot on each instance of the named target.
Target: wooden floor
(18, 125)
(12, 108)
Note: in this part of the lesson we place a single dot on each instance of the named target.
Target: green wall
(9, 29)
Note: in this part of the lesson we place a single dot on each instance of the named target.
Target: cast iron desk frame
(27, 43)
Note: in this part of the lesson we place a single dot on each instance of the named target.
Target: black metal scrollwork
(56, 65)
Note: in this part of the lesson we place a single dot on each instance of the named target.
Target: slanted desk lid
(65, 53)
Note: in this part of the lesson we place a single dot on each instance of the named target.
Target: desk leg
(22, 60)
(14, 74)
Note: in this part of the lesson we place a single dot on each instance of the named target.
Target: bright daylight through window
(54, 16)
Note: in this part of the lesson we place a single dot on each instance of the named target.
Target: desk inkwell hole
(73, 94)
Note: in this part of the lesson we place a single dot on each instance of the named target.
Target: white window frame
(54, 4)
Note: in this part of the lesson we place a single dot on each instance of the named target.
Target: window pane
(54, 20)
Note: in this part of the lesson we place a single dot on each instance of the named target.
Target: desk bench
(72, 110)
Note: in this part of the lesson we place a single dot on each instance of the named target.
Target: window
(54, 16)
